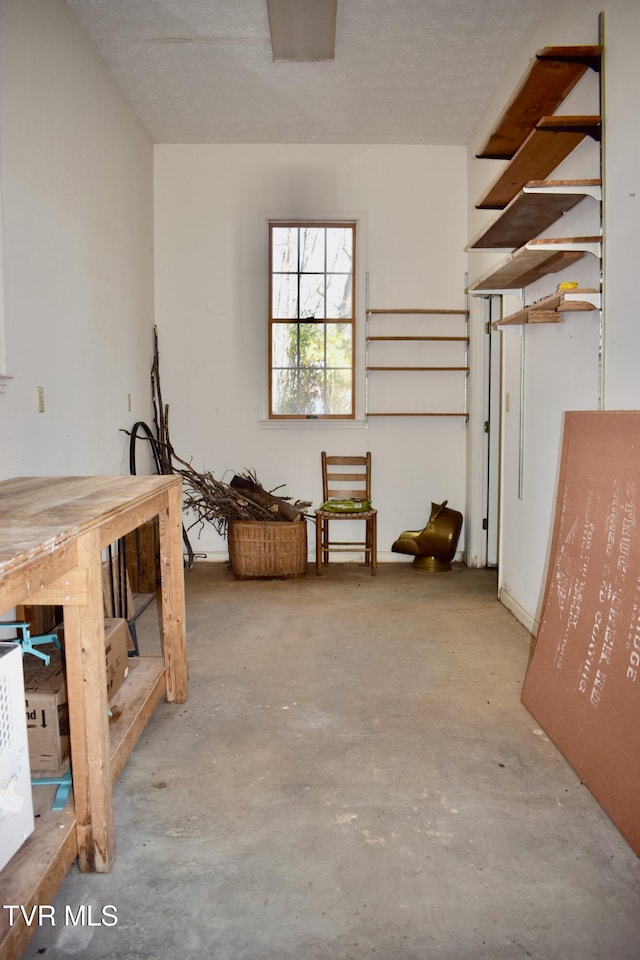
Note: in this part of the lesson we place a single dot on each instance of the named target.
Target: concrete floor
(353, 777)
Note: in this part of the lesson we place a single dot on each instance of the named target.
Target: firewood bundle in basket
(244, 498)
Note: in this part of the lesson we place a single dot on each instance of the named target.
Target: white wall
(76, 173)
(211, 208)
(561, 369)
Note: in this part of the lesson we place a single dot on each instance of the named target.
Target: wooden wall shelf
(534, 140)
(465, 369)
(538, 205)
(591, 245)
(549, 80)
(441, 339)
(523, 267)
(548, 144)
(550, 309)
(415, 414)
(428, 311)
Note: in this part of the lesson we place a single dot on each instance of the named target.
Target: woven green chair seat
(346, 506)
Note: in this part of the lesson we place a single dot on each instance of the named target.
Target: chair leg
(374, 545)
(319, 526)
(325, 541)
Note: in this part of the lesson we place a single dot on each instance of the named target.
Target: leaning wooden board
(583, 682)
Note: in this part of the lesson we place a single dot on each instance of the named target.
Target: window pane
(284, 345)
(338, 296)
(284, 296)
(339, 345)
(312, 345)
(284, 386)
(312, 296)
(312, 249)
(312, 398)
(340, 249)
(338, 392)
(300, 393)
(284, 246)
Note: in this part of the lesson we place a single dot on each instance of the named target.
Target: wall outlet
(129, 402)
(40, 399)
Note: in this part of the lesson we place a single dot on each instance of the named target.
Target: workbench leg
(88, 716)
(172, 592)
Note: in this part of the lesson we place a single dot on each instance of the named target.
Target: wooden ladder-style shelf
(550, 309)
(549, 80)
(538, 205)
(404, 368)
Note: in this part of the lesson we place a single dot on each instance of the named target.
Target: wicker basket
(263, 549)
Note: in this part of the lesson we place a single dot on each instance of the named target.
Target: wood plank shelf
(417, 414)
(461, 369)
(430, 311)
(538, 205)
(550, 309)
(591, 245)
(529, 264)
(132, 706)
(548, 81)
(548, 144)
(447, 339)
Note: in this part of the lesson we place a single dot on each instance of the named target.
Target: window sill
(312, 424)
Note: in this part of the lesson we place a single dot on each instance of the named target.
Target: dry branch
(210, 500)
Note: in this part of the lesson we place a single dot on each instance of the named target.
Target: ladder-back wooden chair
(346, 492)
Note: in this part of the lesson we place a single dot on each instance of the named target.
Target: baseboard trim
(518, 611)
(385, 556)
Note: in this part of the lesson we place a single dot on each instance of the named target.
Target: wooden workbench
(52, 532)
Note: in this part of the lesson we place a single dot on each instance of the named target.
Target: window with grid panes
(311, 319)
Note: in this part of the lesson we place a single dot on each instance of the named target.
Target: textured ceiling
(405, 71)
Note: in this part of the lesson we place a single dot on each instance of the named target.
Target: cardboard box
(117, 643)
(47, 710)
(46, 694)
(117, 639)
